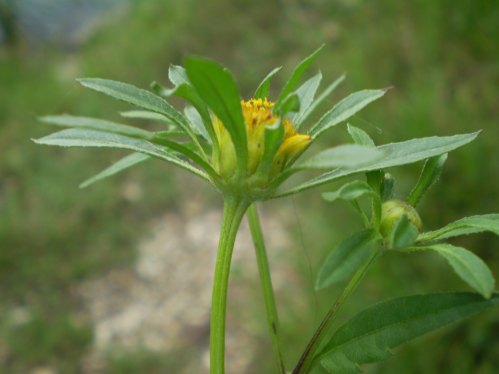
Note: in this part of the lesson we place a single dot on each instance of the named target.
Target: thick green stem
(234, 210)
(266, 282)
(307, 358)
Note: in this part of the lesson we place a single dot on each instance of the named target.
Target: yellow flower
(258, 115)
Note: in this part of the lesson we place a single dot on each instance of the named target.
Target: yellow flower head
(258, 115)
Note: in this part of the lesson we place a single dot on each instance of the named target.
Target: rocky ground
(162, 303)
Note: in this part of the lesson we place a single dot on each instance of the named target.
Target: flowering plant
(249, 150)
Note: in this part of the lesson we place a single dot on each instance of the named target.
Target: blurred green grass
(442, 59)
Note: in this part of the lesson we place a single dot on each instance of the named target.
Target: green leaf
(345, 109)
(295, 77)
(387, 187)
(197, 122)
(404, 233)
(306, 93)
(177, 75)
(346, 258)
(136, 96)
(395, 154)
(92, 138)
(217, 88)
(323, 96)
(124, 163)
(188, 93)
(359, 136)
(370, 335)
(464, 226)
(145, 114)
(429, 175)
(273, 138)
(350, 191)
(466, 264)
(290, 104)
(263, 89)
(97, 124)
(346, 155)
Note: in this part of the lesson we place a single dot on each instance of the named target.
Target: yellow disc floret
(257, 115)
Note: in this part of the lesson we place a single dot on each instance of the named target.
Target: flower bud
(392, 211)
(257, 115)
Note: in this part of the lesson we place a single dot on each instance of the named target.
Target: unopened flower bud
(392, 211)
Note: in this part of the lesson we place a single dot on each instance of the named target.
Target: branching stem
(306, 360)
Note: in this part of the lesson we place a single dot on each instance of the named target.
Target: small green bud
(392, 211)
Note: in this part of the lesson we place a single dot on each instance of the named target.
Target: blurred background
(115, 278)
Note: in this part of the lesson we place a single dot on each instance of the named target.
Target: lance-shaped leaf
(429, 175)
(295, 77)
(288, 105)
(183, 88)
(359, 136)
(395, 154)
(370, 335)
(145, 114)
(197, 122)
(346, 155)
(177, 75)
(97, 124)
(273, 138)
(120, 165)
(404, 233)
(306, 93)
(466, 264)
(92, 138)
(346, 258)
(263, 90)
(464, 226)
(136, 96)
(323, 96)
(350, 191)
(345, 109)
(217, 88)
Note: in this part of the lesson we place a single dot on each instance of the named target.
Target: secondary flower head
(258, 116)
(392, 211)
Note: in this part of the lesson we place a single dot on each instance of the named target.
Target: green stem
(266, 281)
(306, 360)
(234, 209)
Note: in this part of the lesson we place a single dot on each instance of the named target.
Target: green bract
(195, 139)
